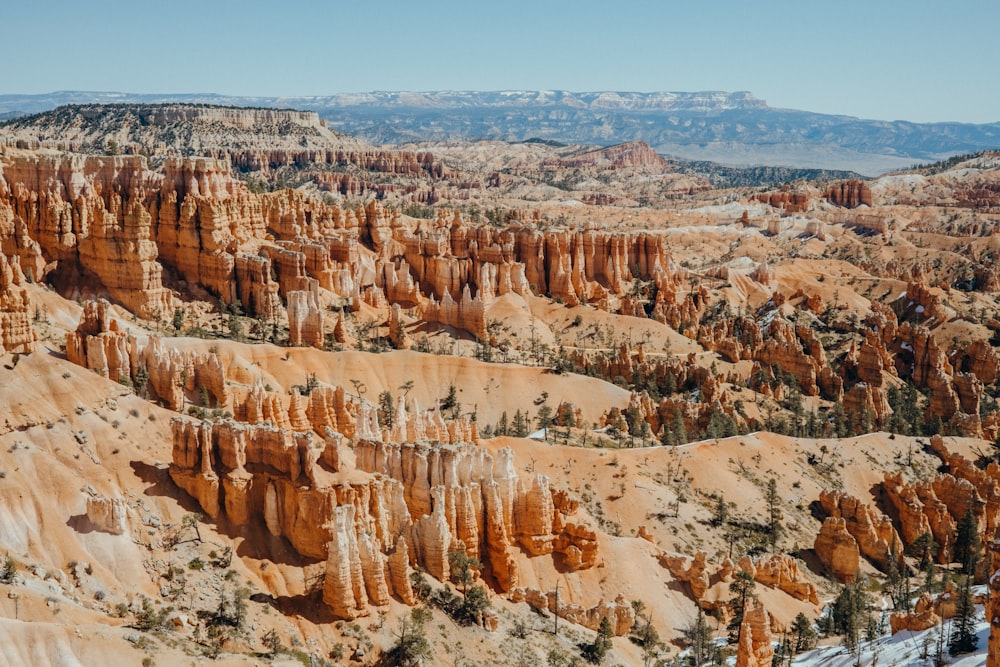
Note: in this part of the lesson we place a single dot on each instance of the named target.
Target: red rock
(16, 333)
(754, 648)
(913, 621)
(873, 531)
(849, 194)
(837, 549)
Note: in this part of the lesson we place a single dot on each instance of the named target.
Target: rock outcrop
(108, 515)
(837, 549)
(873, 532)
(779, 571)
(16, 333)
(787, 200)
(913, 621)
(619, 612)
(754, 648)
(92, 216)
(305, 319)
(937, 505)
(98, 345)
(849, 194)
(420, 490)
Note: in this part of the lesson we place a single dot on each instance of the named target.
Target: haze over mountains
(735, 129)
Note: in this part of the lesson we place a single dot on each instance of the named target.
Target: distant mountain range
(734, 129)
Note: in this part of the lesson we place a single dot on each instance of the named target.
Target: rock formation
(754, 648)
(692, 571)
(849, 194)
(913, 621)
(16, 334)
(89, 214)
(788, 201)
(619, 612)
(305, 319)
(108, 515)
(872, 531)
(426, 490)
(837, 549)
(937, 505)
(779, 571)
(100, 345)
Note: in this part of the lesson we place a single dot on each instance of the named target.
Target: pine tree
(897, 582)
(9, 571)
(680, 431)
(667, 435)
(386, 408)
(519, 425)
(803, 633)
(596, 651)
(502, 428)
(963, 637)
(773, 499)
(699, 636)
(742, 589)
(850, 613)
(544, 419)
(720, 515)
(924, 548)
(967, 542)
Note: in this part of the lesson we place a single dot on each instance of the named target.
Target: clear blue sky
(887, 59)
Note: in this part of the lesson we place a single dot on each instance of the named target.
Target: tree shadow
(310, 606)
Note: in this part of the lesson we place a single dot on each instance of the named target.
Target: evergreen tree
(967, 542)
(519, 425)
(897, 582)
(450, 402)
(501, 428)
(411, 645)
(633, 419)
(680, 431)
(720, 514)
(669, 386)
(850, 613)
(741, 589)
(924, 548)
(773, 500)
(699, 636)
(596, 651)
(386, 408)
(463, 568)
(9, 570)
(963, 637)
(544, 419)
(667, 435)
(803, 634)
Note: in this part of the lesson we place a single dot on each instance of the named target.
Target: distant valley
(732, 129)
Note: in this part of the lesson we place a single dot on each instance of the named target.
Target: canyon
(260, 374)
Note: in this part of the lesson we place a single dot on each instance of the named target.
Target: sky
(911, 60)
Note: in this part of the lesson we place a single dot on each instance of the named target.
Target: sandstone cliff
(421, 490)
